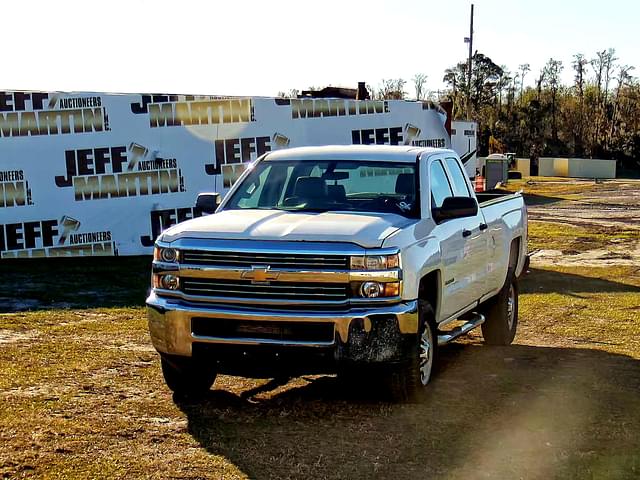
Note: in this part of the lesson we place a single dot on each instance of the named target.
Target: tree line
(596, 116)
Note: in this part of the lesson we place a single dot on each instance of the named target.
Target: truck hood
(364, 229)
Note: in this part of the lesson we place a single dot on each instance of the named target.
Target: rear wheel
(184, 376)
(406, 381)
(501, 315)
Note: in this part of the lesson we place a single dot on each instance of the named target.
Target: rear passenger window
(457, 177)
(440, 188)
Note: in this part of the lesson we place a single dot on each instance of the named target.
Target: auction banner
(103, 174)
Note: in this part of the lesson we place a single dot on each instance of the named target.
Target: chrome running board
(474, 321)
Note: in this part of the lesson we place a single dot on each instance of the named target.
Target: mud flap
(377, 341)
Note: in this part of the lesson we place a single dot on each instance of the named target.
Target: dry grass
(556, 187)
(575, 238)
(82, 394)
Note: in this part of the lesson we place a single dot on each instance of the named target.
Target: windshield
(329, 185)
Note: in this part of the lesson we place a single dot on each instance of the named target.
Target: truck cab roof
(386, 153)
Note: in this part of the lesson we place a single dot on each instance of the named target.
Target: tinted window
(440, 188)
(457, 177)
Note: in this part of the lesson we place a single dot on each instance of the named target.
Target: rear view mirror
(455, 207)
(336, 176)
(208, 202)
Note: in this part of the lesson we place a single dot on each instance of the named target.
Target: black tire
(501, 314)
(185, 377)
(407, 380)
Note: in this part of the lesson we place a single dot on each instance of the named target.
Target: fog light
(170, 282)
(371, 289)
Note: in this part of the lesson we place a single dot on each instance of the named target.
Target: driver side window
(440, 187)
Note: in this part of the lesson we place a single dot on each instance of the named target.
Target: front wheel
(406, 381)
(501, 315)
(184, 376)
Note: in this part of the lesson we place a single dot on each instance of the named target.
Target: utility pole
(469, 40)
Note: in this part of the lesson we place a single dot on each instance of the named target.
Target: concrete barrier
(576, 167)
(523, 165)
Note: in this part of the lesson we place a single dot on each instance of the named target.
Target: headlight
(169, 255)
(375, 262)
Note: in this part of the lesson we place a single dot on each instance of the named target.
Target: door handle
(483, 226)
(466, 233)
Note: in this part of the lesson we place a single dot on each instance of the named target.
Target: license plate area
(230, 329)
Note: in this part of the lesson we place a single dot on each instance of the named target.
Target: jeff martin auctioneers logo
(53, 238)
(233, 154)
(25, 114)
(119, 171)
(180, 110)
(14, 189)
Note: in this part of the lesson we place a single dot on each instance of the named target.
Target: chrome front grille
(265, 291)
(274, 260)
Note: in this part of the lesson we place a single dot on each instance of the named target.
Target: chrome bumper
(171, 333)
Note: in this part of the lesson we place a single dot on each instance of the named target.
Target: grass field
(82, 394)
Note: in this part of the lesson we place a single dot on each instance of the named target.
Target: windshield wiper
(302, 209)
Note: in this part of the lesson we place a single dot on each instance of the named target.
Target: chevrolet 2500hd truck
(337, 259)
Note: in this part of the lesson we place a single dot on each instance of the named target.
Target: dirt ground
(82, 394)
(609, 209)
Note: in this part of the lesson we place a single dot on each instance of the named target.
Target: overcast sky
(241, 47)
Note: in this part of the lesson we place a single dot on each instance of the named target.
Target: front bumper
(359, 334)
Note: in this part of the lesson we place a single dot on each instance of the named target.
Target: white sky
(242, 47)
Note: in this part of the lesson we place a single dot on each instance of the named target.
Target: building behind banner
(104, 174)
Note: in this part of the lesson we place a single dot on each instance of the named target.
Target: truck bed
(493, 196)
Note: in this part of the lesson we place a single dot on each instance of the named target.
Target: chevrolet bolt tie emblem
(260, 274)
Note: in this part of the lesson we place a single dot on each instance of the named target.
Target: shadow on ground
(532, 199)
(33, 284)
(551, 281)
(499, 412)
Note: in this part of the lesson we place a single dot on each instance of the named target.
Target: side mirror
(208, 202)
(455, 207)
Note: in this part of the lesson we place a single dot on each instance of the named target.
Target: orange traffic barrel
(479, 183)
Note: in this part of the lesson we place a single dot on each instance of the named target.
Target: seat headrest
(310, 187)
(337, 193)
(406, 184)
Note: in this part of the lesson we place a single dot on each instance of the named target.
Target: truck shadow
(531, 199)
(551, 281)
(508, 412)
(36, 284)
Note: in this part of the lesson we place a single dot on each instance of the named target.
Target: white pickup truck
(343, 259)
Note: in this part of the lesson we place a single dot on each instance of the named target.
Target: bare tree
(624, 78)
(552, 71)
(524, 68)
(291, 93)
(419, 80)
(539, 83)
(392, 89)
(602, 65)
(579, 64)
